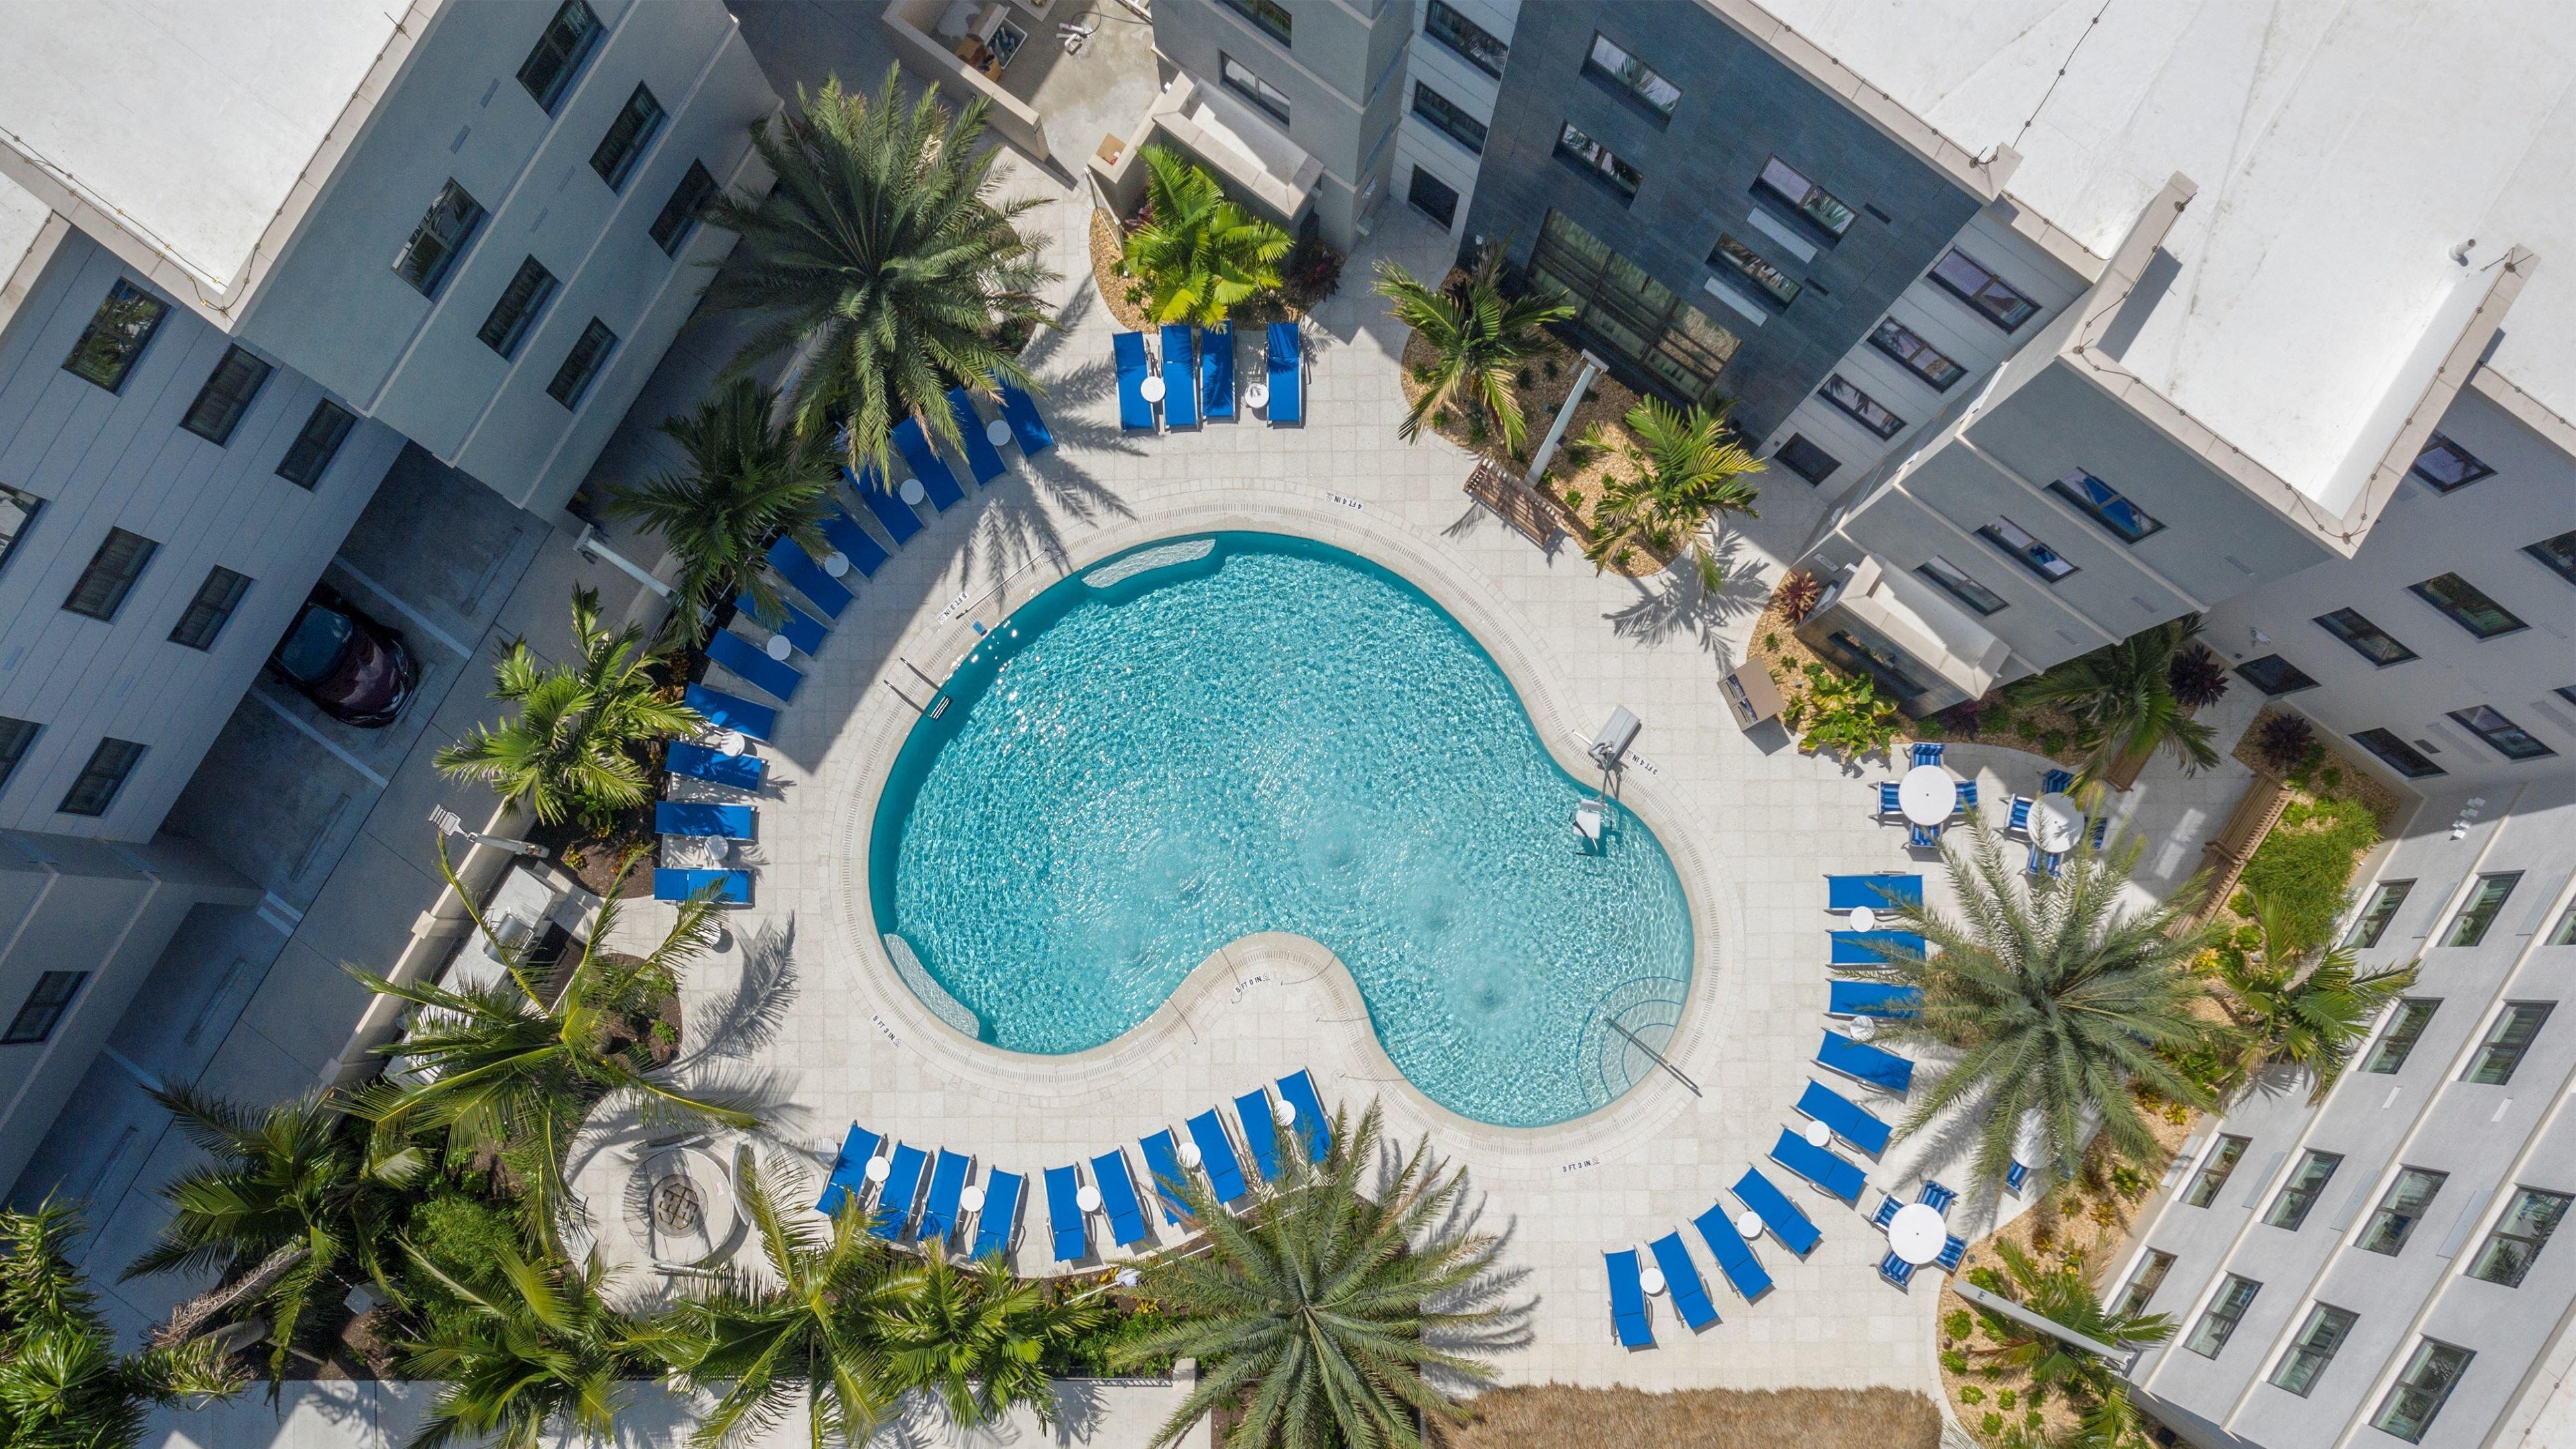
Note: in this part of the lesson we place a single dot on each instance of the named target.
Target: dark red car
(353, 669)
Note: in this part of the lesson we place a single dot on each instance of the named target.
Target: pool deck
(803, 1000)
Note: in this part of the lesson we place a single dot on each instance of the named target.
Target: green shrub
(464, 1235)
(1992, 1424)
(2005, 1400)
(2304, 866)
(1957, 1323)
(1929, 728)
(1842, 713)
(1957, 1363)
(2025, 730)
(1971, 1394)
(2053, 742)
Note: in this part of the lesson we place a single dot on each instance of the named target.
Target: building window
(211, 609)
(112, 570)
(439, 240)
(2324, 1332)
(1993, 298)
(1776, 284)
(1240, 79)
(1624, 310)
(2396, 754)
(2557, 554)
(2214, 1172)
(1432, 197)
(2218, 1322)
(2408, 1199)
(2144, 1283)
(568, 40)
(18, 510)
(2106, 506)
(2506, 1043)
(1473, 44)
(1815, 205)
(2417, 1396)
(115, 336)
(2565, 935)
(1805, 459)
(1864, 409)
(582, 364)
(2275, 675)
(2027, 551)
(518, 309)
(2404, 1030)
(2470, 926)
(2467, 606)
(2509, 739)
(2291, 1205)
(1920, 357)
(1270, 15)
(1638, 79)
(1866, 651)
(313, 449)
(2366, 638)
(628, 136)
(2374, 918)
(2518, 1237)
(1954, 581)
(1600, 160)
(2446, 465)
(226, 396)
(17, 736)
(101, 778)
(1444, 116)
(679, 215)
(43, 1009)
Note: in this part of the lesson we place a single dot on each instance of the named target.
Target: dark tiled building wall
(1738, 108)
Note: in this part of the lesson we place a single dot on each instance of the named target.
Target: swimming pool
(1210, 737)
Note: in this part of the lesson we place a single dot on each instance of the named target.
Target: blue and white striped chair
(1888, 801)
(2019, 823)
(2101, 830)
(1887, 1206)
(1953, 1251)
(2014, 1176)
(1967, 797)
(1936, 1197)
(1922, 837)
(2056, 781)
(1895, 1269)
(1927, 754)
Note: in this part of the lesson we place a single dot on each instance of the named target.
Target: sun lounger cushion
(1628, 1301)
(1682, 1283)
(699, 818)
(1064, 1215)
(1819, 1166)
(1260, 1132)
(1848, 1119)
(699, 762)
(1216, 1156)
(1873, 998)
(1163, 1167)
(902, 1186)
(1887, 1210)
(1000, 1215)
(732, 887)
(849, 1177)
(1936, 1197)
(1895, 1270)
(1028, 429)
(1216, 370)
(1180, 377)
(852, 542)
(1298, 1090)
(891, 513)
(1922, 837)
(1862, 1062)
(1877, 892)
(1118, 1197)
(981, 458)
(1287, 359)
(1787, 1223)
(747, 660)
(806, 577)
(1127, 350)
(2015, 1175)
(1872, 948)
(1890, 802)
(733, 712)
(1954, 1250)
(802, 629)
(947, 1190)
(1734, 1256)
(927, 465)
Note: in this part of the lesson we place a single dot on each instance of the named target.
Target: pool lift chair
(1608, 749)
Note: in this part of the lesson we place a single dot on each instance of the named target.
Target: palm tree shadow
(750, 1019)
(1026, 516)
(1497, 1292)
(1678, 600)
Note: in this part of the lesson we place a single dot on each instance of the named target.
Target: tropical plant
(570, 748)
(295, 1202)
(1479, 340)
(2285, 742)
(62, 1383)
(2196, 676)
(1198, 254)
(1684, 469)
(507, 1070)
(2057, 1002)
(536, 1348)
(1324, 1312)
(2121, 699)
(2064, 1295)
(2303, 869)
(881, 257)
(1798, 594)
(1840, 712)
(2306, 1007)
(748, 482)
(979, 1339)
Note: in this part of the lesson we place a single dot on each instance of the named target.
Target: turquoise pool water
(1275, 736)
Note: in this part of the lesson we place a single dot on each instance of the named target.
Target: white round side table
(997, 432)
(1748, 1225)
(1087, 1198)
(778, 648)
(836, 563)
(911, 491)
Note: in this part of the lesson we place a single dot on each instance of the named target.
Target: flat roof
(2341, 153)
(21, 217)
(189, 122)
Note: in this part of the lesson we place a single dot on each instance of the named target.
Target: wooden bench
(1514, 502)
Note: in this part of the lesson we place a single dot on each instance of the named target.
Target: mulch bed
(1553, 1416)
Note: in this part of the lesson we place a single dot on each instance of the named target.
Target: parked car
(353, 669)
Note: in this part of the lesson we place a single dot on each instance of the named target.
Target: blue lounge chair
(1873, 998)
(1864, 1063)
(747, 660)
(698, 818)
(1064, 1215)
(1287, 359)
(981, 459)
(1163, 1165)
(891, 513)
(1216, 1156)
(999, 1220)
(849, 1179)
(698, 762)
(1877, 892)
(1216, 371)
(902, 1186)
(1849, 1120)
(1298, 1090)
(1682, 1283)
(731, 887)
(1734, 1256)
(1895, 1269)
(1628, 1320)
(1936, 1197)
(1180, 376)
(1872, 948)
(806, 577)
(1887, 1206)
(1127, 350)
(1118, 1197)
(1967, 797)
(1783, 1217)
(947, 1190)
(2055, 782)
(1926, 754)
(854, 543)
(1260, 1132)
(926, 464)
(1830, 1174)
(1027, 428)
(802, 629)
(2019, 821)
(2014, 1176)
(1889, 802)
(1922, 837)
(1954, 1250)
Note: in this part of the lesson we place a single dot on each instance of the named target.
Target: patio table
(911, 491)
(1651, 1279)
(1819, 1135)
(998, 432)
(1927, 795)
(836, 563)
(1916, 1233)
(1256, 395)
(2056, 822)
(1153, 389)
(1864, 919)
(1087, 1198)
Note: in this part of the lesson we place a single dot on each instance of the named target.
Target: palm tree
(532, 1345)
(1686, 469)
(296, 1201)
(1198, 255)
(507, 1071)
(748, 482)
(2064, 1295)
(880, 250)
(2057, 1002)
(62, 1383)
(2121, 699)
(570, 749)
(2309, 1009)
(1324, 1305)
(979, 1338)
(1479, 338)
